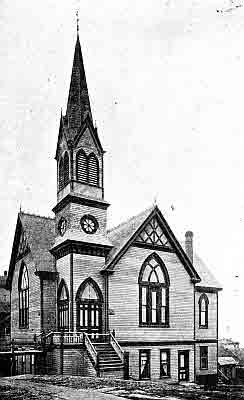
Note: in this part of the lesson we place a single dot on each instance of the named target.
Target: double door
(90, 317)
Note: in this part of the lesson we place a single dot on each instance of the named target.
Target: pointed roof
(78, 106)
(40, 235)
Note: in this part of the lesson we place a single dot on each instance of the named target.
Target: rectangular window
(144, 364)
(144, 304)
(164, 363)
(203, 357)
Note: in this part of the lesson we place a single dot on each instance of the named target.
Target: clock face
(62, 225)
(89, 224)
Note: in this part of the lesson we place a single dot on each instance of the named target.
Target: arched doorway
(89, 302)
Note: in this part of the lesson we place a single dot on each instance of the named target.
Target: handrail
(224, 376)
(117, 347)
(91, 349)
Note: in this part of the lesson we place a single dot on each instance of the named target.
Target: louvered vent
(81, 166)
(93, 170)
(61, 174)
(66, 169)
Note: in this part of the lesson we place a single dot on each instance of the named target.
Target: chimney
(5, 273)
(189, 245)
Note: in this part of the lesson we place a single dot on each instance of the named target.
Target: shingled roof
(40, 232)
(40, 235)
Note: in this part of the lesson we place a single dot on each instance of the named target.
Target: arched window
(81, 167)
(63, 306)
(93, 170)
(66, 169)
(153, 292)
(89, 307)
(203, 311)
(23, 297)
(61, 174)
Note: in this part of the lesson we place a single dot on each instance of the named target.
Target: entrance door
(89, 308)
(90, 316)
(183, 365)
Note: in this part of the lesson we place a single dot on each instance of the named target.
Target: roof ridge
(36, 215)
(129, 219)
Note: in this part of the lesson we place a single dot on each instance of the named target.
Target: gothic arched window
(93, 170)
(89, 307)
(61, 174)
(153, 292)
(63, 306)
(81, 167)
(66, 169)
(203, 311)
(23, 297)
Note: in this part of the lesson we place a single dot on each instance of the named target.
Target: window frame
(150, 288)
(148, 352)
(167, 351)
(23, 299)
(85, 159)
(203, 357)
(63, 306)
(94, 158)
(66, 169)
(203, 298)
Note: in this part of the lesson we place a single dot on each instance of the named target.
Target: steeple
(78, 106)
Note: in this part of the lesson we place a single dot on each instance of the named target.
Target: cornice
(78, 199)
(77, 247)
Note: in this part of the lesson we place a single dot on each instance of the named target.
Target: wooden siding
(211, 331)
(49, 305)
(26, 335)
(155, 361)
(63, 269)
(124, 299)
(212, 359)
(84, 267)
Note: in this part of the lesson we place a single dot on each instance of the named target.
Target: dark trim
(79, 199)
(169, 234)
(78, 247)
(165, 343)
(71, 293)
(47, 275)
(206, 301)
(194, 330)
(153, 247)
(207, 289)
(168, 363)
(148, 351)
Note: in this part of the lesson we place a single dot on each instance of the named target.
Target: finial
(77, 22)
(20, 208)
(155, 200)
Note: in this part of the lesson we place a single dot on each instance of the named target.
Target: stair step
(112, 367)
(110, 361)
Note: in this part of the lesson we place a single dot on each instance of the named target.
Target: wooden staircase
(105, 354)
(108, 358)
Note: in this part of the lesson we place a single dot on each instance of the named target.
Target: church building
(128, 302)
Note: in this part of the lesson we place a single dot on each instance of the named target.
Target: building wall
(26, 335)
(155, 361)
(124, 299)
(211, 331)
(49, 305)
(212, 359)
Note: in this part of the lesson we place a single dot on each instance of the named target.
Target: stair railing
(225, 378)
(91, 349)
(116, 347)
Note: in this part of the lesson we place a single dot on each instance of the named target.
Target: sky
(166, 85)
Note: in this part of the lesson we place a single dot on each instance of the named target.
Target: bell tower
(81, 244)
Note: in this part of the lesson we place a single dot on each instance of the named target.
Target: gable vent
(66, 169)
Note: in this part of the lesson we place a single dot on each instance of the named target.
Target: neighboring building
(78, 282)
(229, 344)
(227, 369)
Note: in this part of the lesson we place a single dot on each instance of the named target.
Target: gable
(87, 140)
(153, 235)
(153, 229)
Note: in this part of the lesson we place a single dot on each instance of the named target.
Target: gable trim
(93, 131)
(179, 251)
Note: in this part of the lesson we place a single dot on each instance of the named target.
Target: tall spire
(78, 106)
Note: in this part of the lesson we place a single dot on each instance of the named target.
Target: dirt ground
(30, 387)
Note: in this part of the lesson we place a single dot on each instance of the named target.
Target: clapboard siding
(211, 331)
(155, 361)
(49, 305)
(212, 359)
(124, 290)
(87, 267)
(26, 335)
